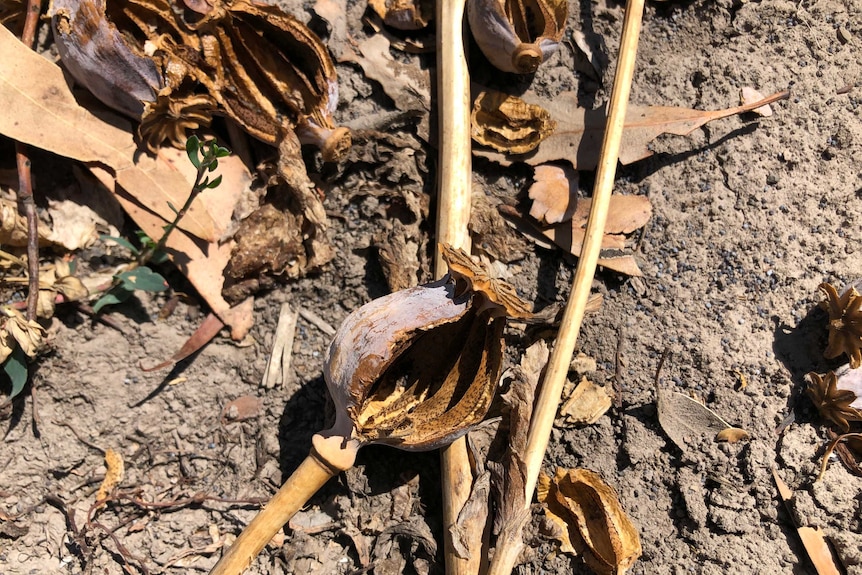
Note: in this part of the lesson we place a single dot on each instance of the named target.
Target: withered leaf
(517, 35)
(116, 471)
(508, 123)
(686, 421)
(554, 193)
(586, 404)
(47, 116)
(592, 520)
(578, 136)
(848, 447)
(205, 332)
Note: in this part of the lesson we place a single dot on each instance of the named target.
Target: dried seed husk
(271, 69)
(509, 124)
(517, 35)
(404, 14)
(592, 520)
(102, 59)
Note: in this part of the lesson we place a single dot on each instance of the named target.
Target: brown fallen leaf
(625, 214)
(579, 132)
(202, 336)
(586, 404)
(592, 521)
(748, 94)
(554, 193)
(45, 114)
(812, 537)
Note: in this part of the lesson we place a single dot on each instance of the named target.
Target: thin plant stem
(25, 181)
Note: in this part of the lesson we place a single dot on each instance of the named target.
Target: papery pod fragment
(270, 73)
(517, 35)
(404, 14)
(592, 521)
(509, 124)
(101, 58)
(417, 368)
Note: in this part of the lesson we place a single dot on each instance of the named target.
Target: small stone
(844, 35)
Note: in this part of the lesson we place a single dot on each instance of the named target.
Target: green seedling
(204, 157)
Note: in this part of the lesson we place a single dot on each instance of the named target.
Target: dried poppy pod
(270, 72)
(101, 58)
(509, 124)
(517, 35)
(414, 369)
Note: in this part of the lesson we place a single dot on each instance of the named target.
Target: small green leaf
(173, 209)
(122, 242)
(117, 294)
(193, 145)
(15, 368)
(159, 257)
(144, 279)
(204, 183)
(215, 183)
(213, 164)
(221, 152)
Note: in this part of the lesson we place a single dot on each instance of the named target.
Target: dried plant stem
(453, 216)
(555, 376)
(329, 456)
(25, 182)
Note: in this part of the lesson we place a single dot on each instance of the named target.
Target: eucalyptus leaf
(15, 368)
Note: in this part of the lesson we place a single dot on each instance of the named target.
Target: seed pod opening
(417, 368)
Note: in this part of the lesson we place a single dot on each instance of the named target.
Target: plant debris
(586, 403)
(592, 522)
(845, 323)
(578, 136)
(687, 421)
(837, 400)
(509, 124)
(517, 35)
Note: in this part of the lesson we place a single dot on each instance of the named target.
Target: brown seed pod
(509, 124)
(102, 59)
(517, 35)
(404, 14)
(417, 368)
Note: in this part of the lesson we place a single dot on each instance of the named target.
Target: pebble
(844, 35)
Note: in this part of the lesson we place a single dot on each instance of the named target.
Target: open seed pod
(509, 124)
(113, 66)
(268, 69)
(517, 35)
(415, 369)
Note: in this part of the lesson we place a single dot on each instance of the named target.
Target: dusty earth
(750, 216)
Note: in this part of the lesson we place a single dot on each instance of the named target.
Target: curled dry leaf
(849, 446)
(554, 193)
(845, 323)
(415, 369)
(586, 404)
(837, 399)
(592, 521)
(509, 124)
(18, 330)
(116, 471)
(517, 35)
(404, 14)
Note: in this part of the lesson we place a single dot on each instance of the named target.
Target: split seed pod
(415, 369)
(269, 69)
(517, 35)
(845, 323)
(509, 124)
(101, 58)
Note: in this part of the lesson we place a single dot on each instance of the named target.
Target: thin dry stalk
(329, 456)
(25, 182)
(555, 376)
(453, 216)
